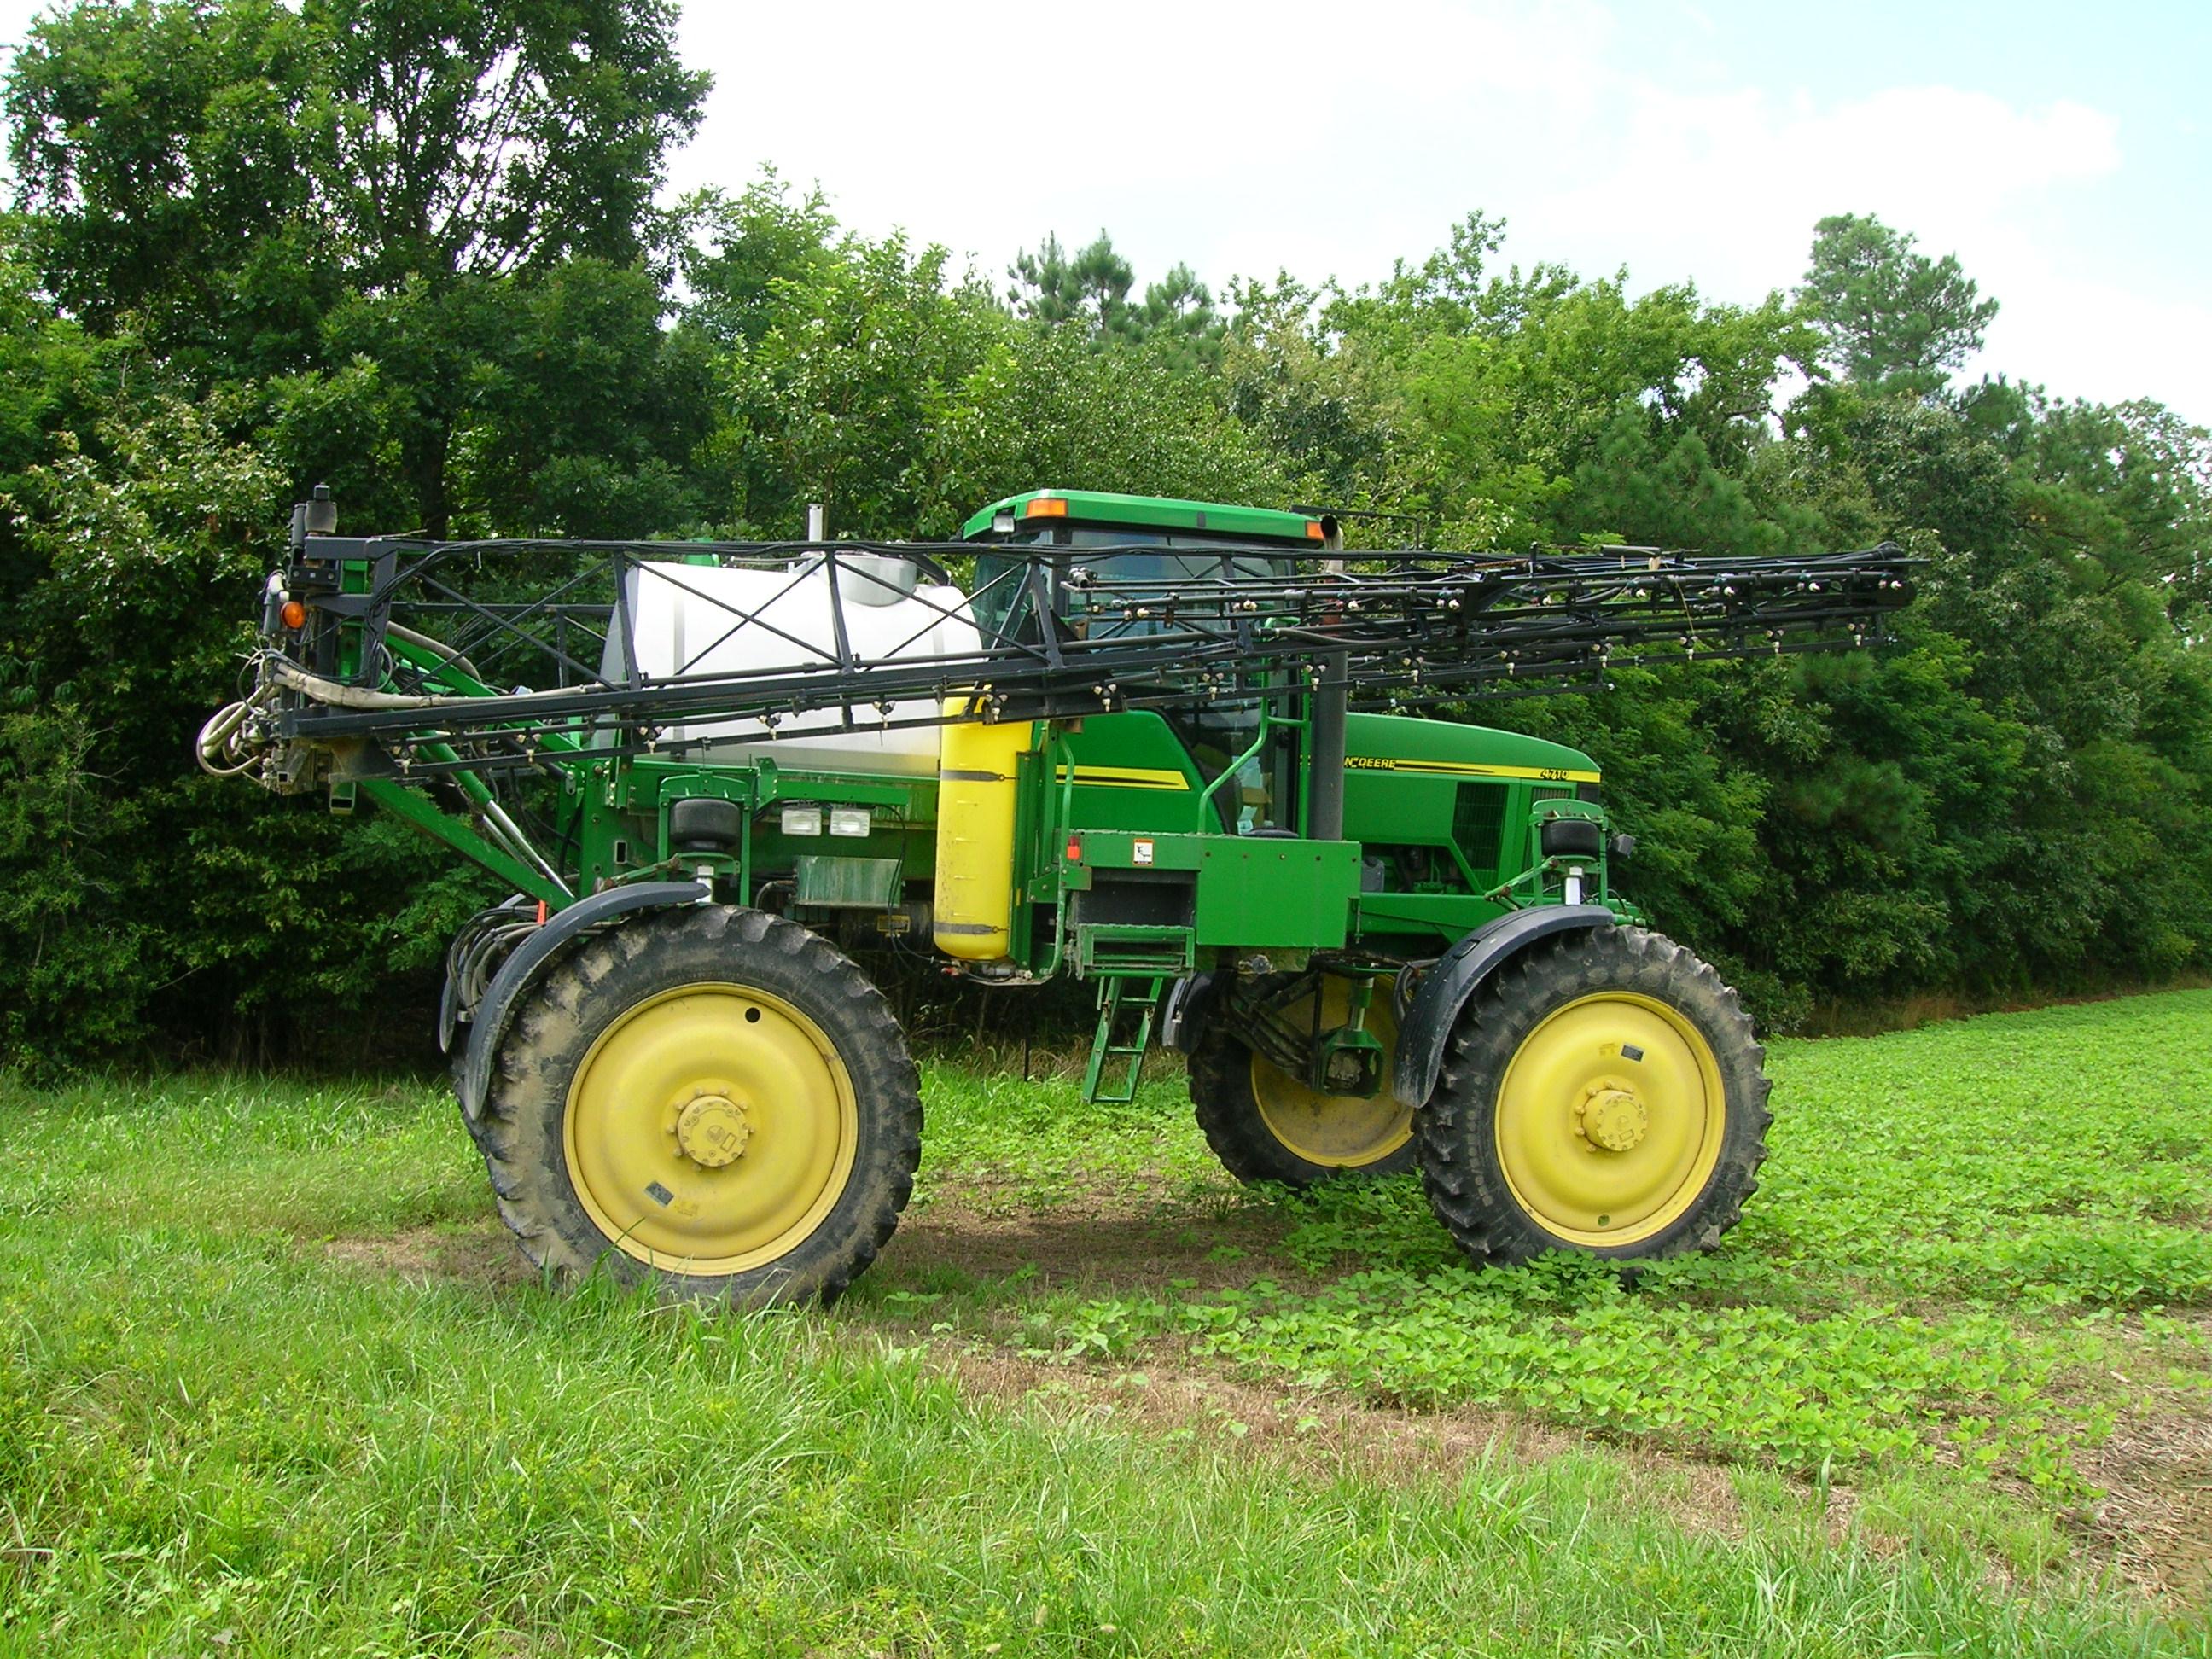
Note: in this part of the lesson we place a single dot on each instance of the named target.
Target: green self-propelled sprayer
(1155, 744)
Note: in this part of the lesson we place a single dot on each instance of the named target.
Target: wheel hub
(1611, 1119)
(713, 1126)
(712, 1130)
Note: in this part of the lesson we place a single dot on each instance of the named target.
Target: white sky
(2059, 157)
(2054, 147)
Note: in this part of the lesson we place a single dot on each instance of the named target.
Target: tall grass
(219, 1434)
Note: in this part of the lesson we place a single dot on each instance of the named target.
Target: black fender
(1445, 988)
(1182, 1016)
(530, 959)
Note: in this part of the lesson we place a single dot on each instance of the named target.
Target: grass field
(273, 1381)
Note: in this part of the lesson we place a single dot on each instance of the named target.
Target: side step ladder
(1120, 995)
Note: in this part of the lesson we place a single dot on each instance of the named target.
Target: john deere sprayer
(1169, 748)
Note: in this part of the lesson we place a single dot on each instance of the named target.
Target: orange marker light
(295, 615)
(1045, 506)
(1314, 532)
(1074, 850)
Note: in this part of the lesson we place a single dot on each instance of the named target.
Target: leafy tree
(410, 249)
(349, 182)
(2124, 491)
(1890, 316)
(1449, 292)
(1179, 318)
(131, 888)
(863, 376)
(1311, 396)
(836, 399)
(1043, 408)
(590, 410)
(165, 155)
(1542, 410)
(747, 256)
(214, 170)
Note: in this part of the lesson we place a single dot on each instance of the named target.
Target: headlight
(1570, 838)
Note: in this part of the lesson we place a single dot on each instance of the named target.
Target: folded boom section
(478, 656)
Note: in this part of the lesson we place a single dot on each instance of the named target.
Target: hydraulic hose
(216, 750)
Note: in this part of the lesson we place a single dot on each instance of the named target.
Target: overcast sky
(2059, 149)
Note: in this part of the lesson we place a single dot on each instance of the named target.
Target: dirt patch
(1328, 1435)
(1085, 1242)
(2198, 1216)
(484, 1253)
(2156, 1515)
(1115, 1244)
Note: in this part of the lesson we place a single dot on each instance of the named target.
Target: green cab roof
(1145, 513)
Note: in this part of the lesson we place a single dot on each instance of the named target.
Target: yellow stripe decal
(1125, 777)
(1467, 769)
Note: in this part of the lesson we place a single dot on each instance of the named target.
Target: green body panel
(1447, 809)
(1151, 513)
(1450, 745)
(624, 807)
(842, 883)
(1439, 917)
(1277, 894)
(1130, 772)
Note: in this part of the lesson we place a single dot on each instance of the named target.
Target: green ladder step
(1112, 1002)
(1104, 947)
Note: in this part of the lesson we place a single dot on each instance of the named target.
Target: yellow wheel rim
(711, 1129)
(1609, 1119)
(1336, 1132)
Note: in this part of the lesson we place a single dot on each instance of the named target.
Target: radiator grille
(1479, 822)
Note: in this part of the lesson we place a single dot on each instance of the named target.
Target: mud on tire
(1464, 1167)
(720, 950)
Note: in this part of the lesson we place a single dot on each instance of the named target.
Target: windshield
(1185, 556)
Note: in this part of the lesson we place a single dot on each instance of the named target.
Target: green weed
(1964, 1235)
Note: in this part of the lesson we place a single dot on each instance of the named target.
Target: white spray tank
(688, 619)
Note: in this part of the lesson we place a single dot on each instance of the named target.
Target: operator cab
(1149, 538)
(1143, 538)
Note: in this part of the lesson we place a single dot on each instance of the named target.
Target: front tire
(1602, 1092)
(711, 1098)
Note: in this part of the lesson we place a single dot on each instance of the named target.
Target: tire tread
(562, 1015)
(1467, 1190)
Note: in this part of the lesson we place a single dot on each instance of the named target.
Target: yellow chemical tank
(975, 798)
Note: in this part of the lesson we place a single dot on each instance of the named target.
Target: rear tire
(1266, 1125)
(713, 1099)
(1602, 1092)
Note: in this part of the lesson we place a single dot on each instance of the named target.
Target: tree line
(418, 249)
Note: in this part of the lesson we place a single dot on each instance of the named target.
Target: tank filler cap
(878, 579)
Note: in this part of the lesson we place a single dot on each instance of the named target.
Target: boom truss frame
(480, 657)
